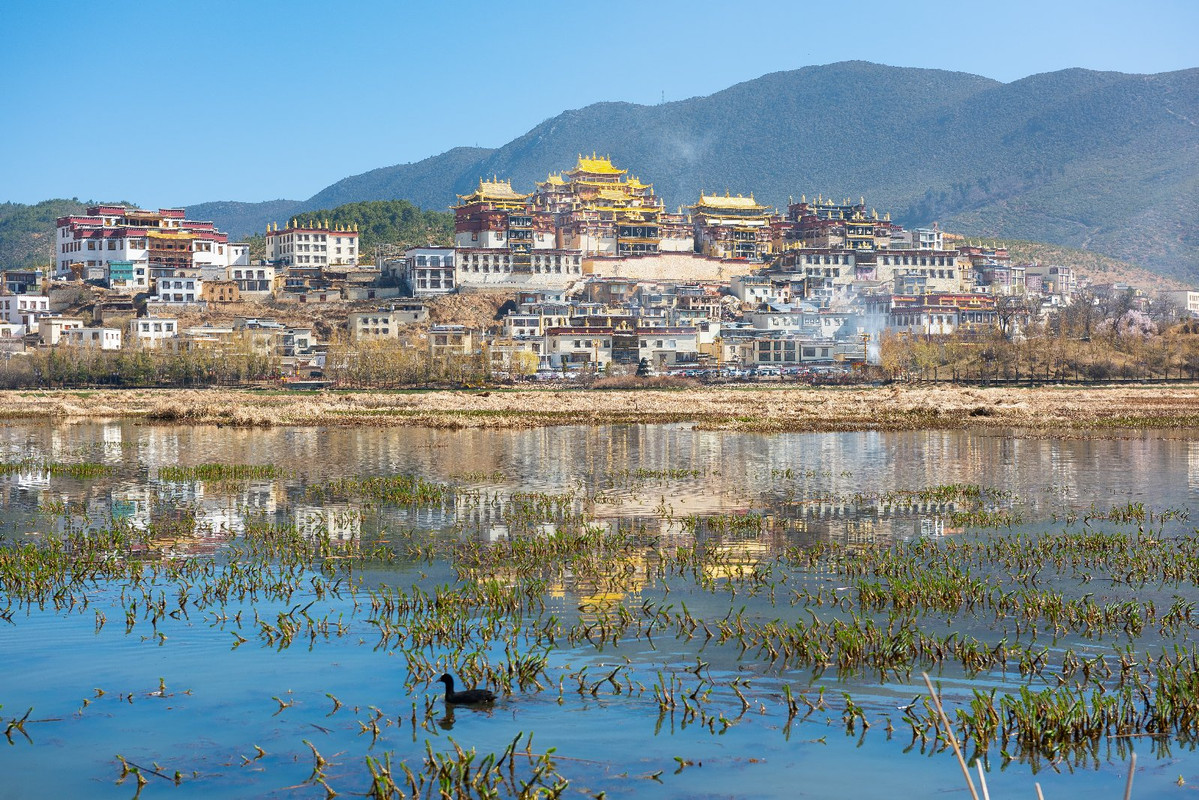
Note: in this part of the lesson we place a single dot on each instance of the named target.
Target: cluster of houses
(599, 272)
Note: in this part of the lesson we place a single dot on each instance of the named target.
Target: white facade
(150, 332)
(51, 329)
(255, 280)
(575, 348)
(299, 246)
(120, 233)
(92, 338)
(494, 267)
(945, 270)
(928, 239)
(24, 309)
(429, 270)
(178, 290)
(755, 289)
(384, 323)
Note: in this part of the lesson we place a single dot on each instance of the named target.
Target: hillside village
(587, 274)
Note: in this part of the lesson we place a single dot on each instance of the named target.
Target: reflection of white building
(132, 504)
(340, 521)
(1193, 465)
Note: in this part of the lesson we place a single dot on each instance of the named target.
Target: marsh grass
(1058, 670)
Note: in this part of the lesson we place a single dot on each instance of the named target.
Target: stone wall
(678, 267)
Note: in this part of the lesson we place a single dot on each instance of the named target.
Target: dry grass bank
(774, 409)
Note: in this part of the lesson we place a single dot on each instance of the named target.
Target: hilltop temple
(600, 210)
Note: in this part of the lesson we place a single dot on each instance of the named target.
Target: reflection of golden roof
(494, 189)
(601, 165)
(738, 202)
(735, 560)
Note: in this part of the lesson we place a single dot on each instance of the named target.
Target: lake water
(198, 692)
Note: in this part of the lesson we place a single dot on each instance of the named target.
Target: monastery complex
(598, 270)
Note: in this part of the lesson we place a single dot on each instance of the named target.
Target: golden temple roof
(738, 202)
(494, 189)
(555, 179)
(600, 165)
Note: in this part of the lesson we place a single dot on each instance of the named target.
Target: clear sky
(172, 103)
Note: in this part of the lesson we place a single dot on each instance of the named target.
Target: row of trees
(1078, 342)
(65, 367)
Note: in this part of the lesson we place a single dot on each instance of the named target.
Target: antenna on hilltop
(663, 95)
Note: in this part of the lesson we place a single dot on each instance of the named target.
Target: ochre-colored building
(731, 227)
(601, 210)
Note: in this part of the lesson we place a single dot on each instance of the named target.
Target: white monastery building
(164, 239)
(311, 244)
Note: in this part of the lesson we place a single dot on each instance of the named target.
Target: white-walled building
(24, 309)
(311, 244)
(428, 270)
(385, 323)
(165, 239)
(151, 332)
(92, 338)
(252, 280)
(51, 329)
(178, 290)
(755, 289)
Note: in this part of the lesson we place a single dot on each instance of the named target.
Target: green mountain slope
(27, 231)
(384, 222)
(240, 220)
(1098, 160)
(1103, 161)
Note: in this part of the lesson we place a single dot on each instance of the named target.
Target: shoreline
(780, 409)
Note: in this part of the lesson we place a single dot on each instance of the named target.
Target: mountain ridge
(1107, 161)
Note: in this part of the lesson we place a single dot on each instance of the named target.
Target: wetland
(672, 609)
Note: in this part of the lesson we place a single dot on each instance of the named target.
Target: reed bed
(775, 409)
(1071, 640)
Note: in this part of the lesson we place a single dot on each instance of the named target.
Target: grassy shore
(766, 409)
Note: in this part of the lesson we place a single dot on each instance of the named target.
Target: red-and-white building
(155, 242)
(311, 244)
(501, 238)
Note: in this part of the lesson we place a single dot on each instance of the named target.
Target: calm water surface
(218, 704)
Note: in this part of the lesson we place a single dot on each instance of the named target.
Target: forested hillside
(27, 232)
(395, 222)
(1102, 161)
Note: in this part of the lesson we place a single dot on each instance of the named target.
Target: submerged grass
(1056, 666)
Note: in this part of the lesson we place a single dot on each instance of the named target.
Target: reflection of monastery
(340, 522)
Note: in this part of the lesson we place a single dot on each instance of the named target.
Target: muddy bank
(773, 409)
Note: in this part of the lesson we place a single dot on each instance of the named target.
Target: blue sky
(176, 103)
